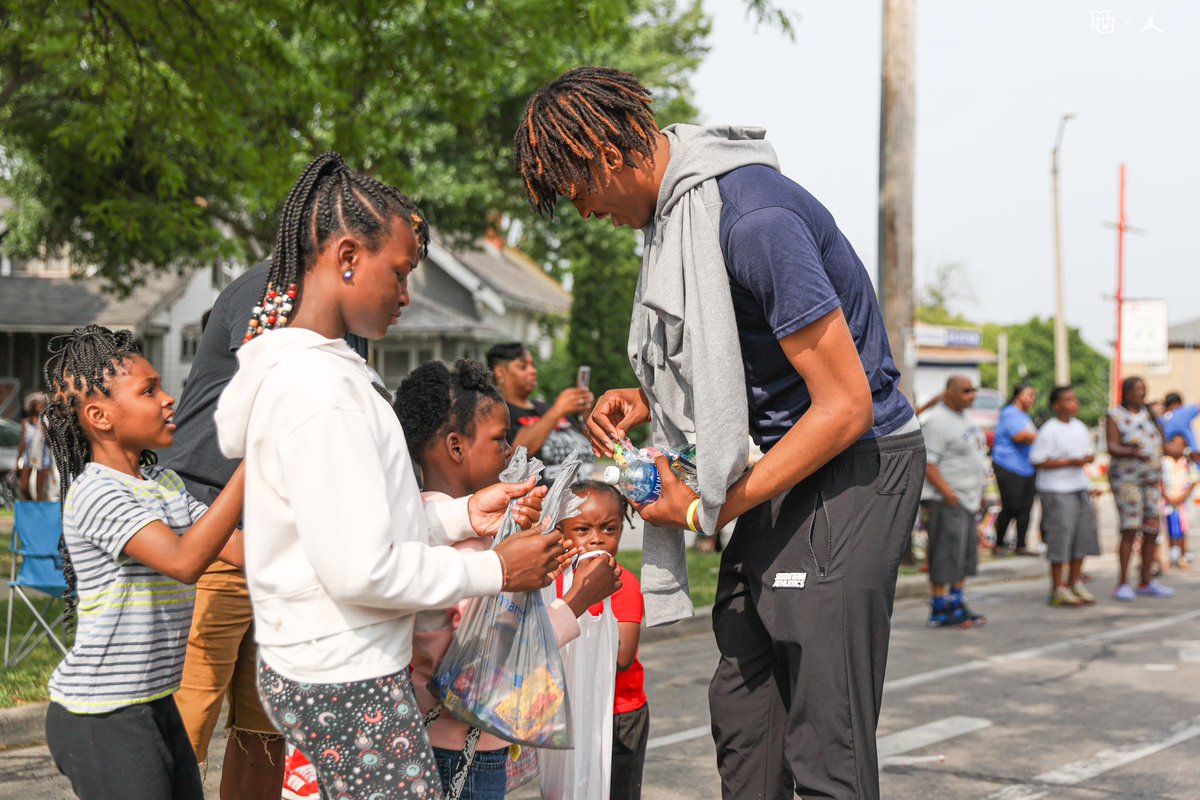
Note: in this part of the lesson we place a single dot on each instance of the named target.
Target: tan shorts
(221, 661)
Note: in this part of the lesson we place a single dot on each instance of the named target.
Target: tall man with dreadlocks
(752, 313)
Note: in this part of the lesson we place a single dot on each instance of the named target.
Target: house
(463, 301)
(944, 351)
(1180, 372)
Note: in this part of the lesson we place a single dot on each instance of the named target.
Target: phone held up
(583, 376)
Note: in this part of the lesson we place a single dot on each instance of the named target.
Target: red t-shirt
(628, 606)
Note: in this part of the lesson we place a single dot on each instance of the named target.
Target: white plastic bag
(590, 666)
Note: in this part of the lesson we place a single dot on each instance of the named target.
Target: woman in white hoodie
(342, 555)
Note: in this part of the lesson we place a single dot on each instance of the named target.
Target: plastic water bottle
(637, 479)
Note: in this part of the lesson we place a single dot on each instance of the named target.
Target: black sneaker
(965, 617)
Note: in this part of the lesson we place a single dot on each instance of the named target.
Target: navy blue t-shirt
(789, 265)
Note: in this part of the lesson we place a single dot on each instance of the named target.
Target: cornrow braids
(435, 400)
(79, 366)
(583, 488)
(326, 200)
(559, 144)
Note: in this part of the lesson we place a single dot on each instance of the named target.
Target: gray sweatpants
(802, 619)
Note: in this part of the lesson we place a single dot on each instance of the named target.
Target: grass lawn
(702, 572)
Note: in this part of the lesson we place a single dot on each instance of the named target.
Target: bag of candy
(503, 673)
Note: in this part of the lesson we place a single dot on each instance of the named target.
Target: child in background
(1061, 451)
(134, 541)
(1178, 483)
(455, 422)
(599, 526)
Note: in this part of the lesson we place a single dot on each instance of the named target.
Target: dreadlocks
(79, 366)
(328, 199)
(559, 144)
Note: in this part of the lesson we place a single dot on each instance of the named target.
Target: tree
(142, 135)
(1031, 359)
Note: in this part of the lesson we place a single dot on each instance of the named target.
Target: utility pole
(897, 117)
(1121, 228)
(1062, 355)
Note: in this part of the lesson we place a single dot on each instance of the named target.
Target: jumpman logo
(1150, 26)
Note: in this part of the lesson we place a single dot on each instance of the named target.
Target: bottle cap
(612, 474)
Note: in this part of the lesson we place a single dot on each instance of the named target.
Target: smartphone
(583, 377)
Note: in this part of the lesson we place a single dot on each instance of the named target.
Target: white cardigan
(336, 534)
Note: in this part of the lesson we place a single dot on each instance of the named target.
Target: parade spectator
(549, 431)
(33, 451)
(342, 555)
(1178, 483)
(954, 476)
(599, 526)
(1015, 434)
(1062, 450)
(133, 541)
(752, 314)
(455, 424)
(1177, 420)
(1135, 447)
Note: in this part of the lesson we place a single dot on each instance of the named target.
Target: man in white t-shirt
(1060, 452)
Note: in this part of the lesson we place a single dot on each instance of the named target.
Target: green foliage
(1031, 360)
(151, 134)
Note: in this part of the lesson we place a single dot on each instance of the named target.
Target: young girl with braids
(456, 424)
(342, 555)
(133, 543)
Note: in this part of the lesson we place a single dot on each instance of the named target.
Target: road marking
(1097, 765)
(891, 745)
(924, 735)
(978, 664)
(676, 738)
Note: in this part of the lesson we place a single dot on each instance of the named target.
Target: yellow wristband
(691, 515)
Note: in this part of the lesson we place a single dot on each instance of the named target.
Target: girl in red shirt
(599, 526)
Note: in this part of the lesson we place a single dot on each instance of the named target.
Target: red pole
(1117, 377)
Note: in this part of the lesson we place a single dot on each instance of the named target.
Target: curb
(22, 726)
(908, 587)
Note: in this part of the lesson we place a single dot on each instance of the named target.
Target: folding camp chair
(37, 527)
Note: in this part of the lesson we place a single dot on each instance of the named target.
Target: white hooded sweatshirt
(339, 554)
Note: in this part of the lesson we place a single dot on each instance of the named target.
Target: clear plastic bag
(590, 664)
(503, 673)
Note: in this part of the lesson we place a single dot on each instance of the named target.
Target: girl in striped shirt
(133, 544)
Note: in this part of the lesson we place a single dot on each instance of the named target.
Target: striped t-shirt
(133, 622)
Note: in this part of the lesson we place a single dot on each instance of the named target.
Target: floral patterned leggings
(366, 739)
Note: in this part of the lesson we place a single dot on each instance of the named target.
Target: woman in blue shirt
(1015, 433)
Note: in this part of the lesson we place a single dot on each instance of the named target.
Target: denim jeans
(487, 779)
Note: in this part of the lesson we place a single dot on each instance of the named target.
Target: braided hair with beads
(559, 145)
(80, 365)
(435, 400)
(328, 199)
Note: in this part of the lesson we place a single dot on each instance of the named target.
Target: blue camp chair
(37, 527)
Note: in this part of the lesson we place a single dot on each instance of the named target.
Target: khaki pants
(221, 661)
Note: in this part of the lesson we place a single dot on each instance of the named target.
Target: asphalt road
(1069, 704)
(1042, 702)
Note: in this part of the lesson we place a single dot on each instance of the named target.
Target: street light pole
(1062, 357)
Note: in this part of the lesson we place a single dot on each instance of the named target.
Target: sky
(993, 79)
